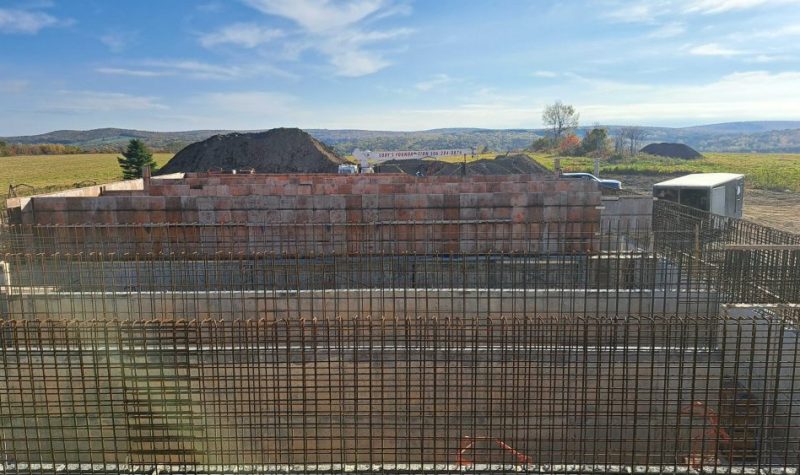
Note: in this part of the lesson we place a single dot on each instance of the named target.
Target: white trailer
(718, 193)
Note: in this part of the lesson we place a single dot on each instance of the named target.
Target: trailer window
(695, 198)
(669, 194)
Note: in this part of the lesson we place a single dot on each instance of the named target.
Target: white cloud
(192, 69)
(336, 29)
(348, 54)
(143, 73)
(653, 11)
(23, 21)
(247, 35)
(789, 30)
(668, 31)
(436, 81)
(767, 58)
(320, 16)
(94, 101)
(714, 49)
(198, 69)
(118, 41)
(633, 12)
(746, 95)
(721, 6)
(357, 63)
(545, 74)
(752, 95)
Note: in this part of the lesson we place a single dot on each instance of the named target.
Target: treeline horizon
(18, 149)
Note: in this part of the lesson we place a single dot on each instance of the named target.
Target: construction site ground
(777, 209)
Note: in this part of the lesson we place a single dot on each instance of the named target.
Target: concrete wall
(386, 391)
(287, 397)
(352, 303)
(761, 354)
(627, 213)
(88, 273)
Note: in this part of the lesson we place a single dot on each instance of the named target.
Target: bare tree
(634, 135)
(559, 118)
(619, 143)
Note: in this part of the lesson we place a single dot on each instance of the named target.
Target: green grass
(770, 171)
(57, 172)
(767, 171)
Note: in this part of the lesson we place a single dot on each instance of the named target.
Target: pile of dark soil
(502, 165)
(273, 151)
(672, 150)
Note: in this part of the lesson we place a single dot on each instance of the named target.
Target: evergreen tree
(134, 159)
(594, 143)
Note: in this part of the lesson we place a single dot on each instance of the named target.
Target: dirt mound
(273, 151)
(502, 165)
(672, 150)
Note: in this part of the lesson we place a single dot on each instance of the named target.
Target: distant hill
(750, 127)
(116, 139)
(344, 142)
(786, 141)
(751, 136)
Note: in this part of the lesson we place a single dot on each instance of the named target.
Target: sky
(393, 64)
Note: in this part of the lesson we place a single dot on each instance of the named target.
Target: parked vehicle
(604, 183)
(348, 169)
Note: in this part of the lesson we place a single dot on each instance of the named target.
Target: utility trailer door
(718, 196)
(739, 198)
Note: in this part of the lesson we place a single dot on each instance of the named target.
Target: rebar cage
(400, 347)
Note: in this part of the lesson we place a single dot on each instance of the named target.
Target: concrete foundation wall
(386, 303)
(627, 212)
(560, 389)
(109, 273)
(268, 403)
(767, 381)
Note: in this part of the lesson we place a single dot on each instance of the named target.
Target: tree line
(8, 150)
(15, 149)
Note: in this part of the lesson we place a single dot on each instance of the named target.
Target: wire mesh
(411, 347)
(325, 274)
(750, 262)
(619, 391)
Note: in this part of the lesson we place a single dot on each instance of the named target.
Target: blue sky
(393, 64)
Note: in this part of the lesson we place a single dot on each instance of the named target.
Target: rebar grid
(625, 391)
(325, 274)
(428, 346)
(752, 263)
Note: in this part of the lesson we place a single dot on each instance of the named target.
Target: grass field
(57, 172)
(763, 170)
(766, 171)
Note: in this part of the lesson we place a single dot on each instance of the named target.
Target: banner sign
(362, 155)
